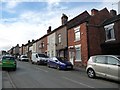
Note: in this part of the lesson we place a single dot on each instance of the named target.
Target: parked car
(8, 62)
(106, 66)
(39, 58)
(59, 63)
(24, 58)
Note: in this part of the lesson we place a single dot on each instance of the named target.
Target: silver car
(106, 66)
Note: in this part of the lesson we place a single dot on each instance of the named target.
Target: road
(28, 75)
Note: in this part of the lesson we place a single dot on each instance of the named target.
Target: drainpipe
(88, 39)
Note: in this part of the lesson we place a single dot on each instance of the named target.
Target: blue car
(59, 63)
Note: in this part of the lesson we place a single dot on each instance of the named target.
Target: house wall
(62, 47)
(51, 45)
(95, 34)
(34, 47)
(112, 47)
(82, 43)
(38, 47)
(44, 49)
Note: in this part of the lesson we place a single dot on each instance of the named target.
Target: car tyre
(48, 65)
(91, 73)
(58, 67)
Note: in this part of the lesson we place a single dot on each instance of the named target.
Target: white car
(24, 58)
(106, 66)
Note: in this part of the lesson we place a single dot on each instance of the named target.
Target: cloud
(34, 24)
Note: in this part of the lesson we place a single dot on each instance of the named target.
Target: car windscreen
(8, 58)
(24, 57)
(61, 59)
(42, 55)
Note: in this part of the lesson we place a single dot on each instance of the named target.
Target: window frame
(77, 31)
(110, 29)
(59, 38)
(78, 60)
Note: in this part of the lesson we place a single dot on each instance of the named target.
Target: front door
(71, 56)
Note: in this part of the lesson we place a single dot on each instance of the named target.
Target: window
(78, 52)
(59, 38)
(100, 59)
(112, 61)
(109, 32)
(42, 44)
(77, 33)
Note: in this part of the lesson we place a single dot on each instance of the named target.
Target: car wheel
(58, 67)
(91, 73)
(48, 65)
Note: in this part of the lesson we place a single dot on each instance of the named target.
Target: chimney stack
(113, 13)
(28, 41)
(64, 19)
(94, 11)
(49, 29)
(33, 40)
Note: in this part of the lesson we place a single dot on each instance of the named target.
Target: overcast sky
(23, 20)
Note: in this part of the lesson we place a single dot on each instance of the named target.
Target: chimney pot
(94, 11)
(113, 13)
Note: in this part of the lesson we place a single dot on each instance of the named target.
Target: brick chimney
(94, 11)
(49, 29)
(64, 19)
(113, 13)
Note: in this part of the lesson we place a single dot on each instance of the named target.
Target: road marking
(42, 69)
(11, 82)
(78, 82)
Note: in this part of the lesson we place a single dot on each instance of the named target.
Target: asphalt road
(28, 75)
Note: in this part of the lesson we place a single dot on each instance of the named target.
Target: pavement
(83, 69)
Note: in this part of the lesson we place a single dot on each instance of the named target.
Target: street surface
(28, 75)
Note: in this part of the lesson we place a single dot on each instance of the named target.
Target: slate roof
(78, 19)
(111, 20)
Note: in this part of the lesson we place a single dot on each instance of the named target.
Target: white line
(78, 82)
(11, 82)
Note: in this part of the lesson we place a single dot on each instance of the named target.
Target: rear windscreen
(8, 58)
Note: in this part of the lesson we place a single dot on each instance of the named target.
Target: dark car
(59, 63)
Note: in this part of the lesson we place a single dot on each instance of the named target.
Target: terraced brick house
(111, 34)
(84, 36)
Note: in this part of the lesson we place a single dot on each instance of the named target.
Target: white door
(71, 57)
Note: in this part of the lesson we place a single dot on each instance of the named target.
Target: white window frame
(77, 30)
(107, 28)
(59, 38)
(78, 46)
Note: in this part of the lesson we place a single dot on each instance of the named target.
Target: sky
(23, 20)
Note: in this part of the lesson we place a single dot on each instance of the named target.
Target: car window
(24, 56)
(118, 57)
(43, 55)
(100, 59)
(8, 58)
(112, 61)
